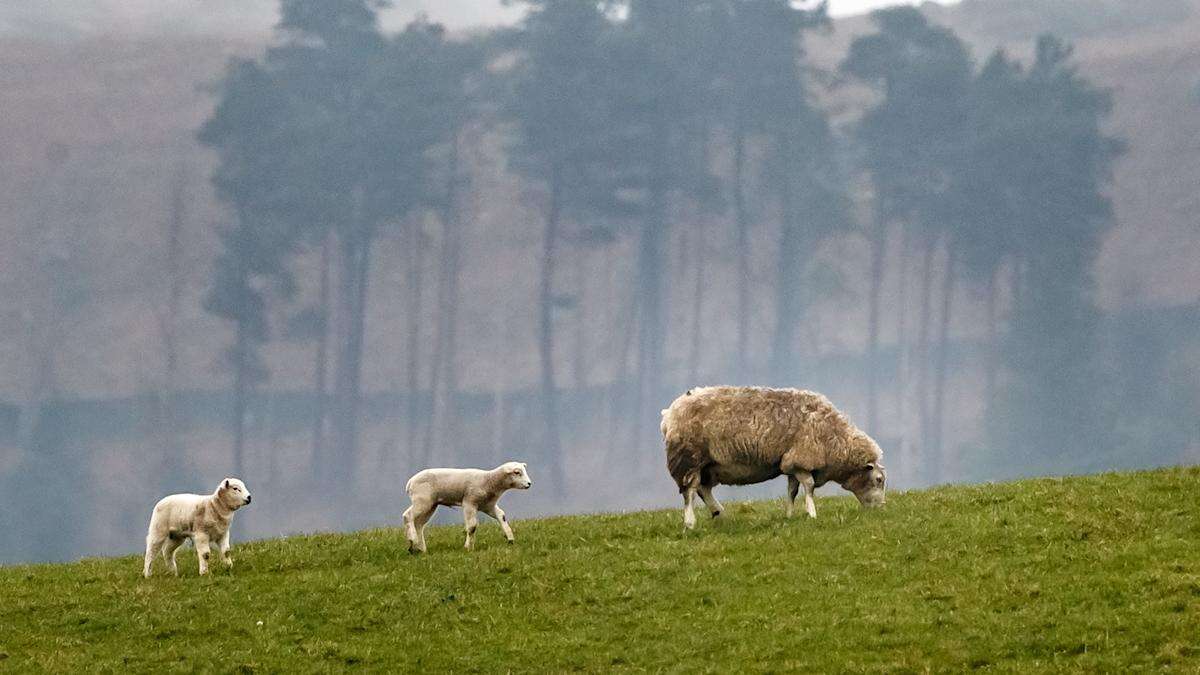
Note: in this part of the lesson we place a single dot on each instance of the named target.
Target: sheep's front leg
(224, 548)
(200, 540)
(802, 479)
(714, 506)
(470, 522)
(497, 513)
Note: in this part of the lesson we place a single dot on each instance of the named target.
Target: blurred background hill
(111, 227)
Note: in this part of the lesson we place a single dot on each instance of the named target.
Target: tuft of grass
(1095, 573)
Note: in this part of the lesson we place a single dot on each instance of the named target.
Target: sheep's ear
(226, 486)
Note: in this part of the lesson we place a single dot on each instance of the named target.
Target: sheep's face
(233, 493)
(868, 485)
(516, 476)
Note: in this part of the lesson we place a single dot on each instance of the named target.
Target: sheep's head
(868, 484)
(233, 493)
(516, 476)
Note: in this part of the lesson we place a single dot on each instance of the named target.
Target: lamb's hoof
(511, 542)
(412, 548)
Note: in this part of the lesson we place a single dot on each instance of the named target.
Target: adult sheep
(744, 435)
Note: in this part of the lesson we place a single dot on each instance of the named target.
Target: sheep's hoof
(512, 541)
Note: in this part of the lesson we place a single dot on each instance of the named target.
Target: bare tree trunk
(579, 360)
(929, 242)
(650, 342)
(169, 326)
(415, 276)
(787, 282)
(546, 333)
(321, 359)
(355, 247)
(993, 345)
(903, 353)
(241, 395)
(697, 303)
(742, 224)
(946, 466)
(443, 356)
(878, 255)
(625, 316)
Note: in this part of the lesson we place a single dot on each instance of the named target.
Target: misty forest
(343, 253)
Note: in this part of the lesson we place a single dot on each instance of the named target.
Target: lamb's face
(868, 485)
(233, 493)
(516, 476)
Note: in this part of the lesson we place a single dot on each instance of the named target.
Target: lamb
(201, 518)
(744, 435)
(474, 490)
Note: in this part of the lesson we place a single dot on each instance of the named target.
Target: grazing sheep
(475, 490)
(201, 518)
(744, 435)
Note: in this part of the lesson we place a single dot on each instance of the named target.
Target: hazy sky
(67, 19)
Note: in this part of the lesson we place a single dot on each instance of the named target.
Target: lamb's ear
(226, 485)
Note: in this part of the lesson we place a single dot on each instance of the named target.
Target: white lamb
(474, 490)
(201, 518)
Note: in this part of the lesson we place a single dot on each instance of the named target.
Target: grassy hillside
(1090, 573)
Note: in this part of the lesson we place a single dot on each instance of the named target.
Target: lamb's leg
(224, 548)
(152, 546)
(714, 506)
(498, 514)
(804, 479)
(415, 518)
(793, 489)
(470, 522)
(201, 542)
(170, 549)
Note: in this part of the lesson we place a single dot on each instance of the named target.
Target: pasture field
(1092, 573)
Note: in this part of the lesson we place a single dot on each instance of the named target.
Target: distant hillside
(1086, 574)
(95, 132)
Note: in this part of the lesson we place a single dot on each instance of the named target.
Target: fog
(321, 247)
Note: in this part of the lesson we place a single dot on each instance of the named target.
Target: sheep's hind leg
(802, 479)
(414, 519)
(170, 549)
(152, 546)
(793, 490)
(689, 497)
(714, 506)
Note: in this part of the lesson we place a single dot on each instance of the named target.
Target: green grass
(1085, 574)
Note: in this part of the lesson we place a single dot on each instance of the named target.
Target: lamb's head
(867, 483)
(515, 476)
(233, 493)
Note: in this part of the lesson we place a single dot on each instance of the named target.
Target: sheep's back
(748, 425)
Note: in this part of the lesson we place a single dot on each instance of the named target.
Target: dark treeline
(690, 136)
